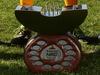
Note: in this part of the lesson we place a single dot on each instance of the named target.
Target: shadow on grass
(18, 70)
(8, 56)
(14, 70)
(90, 65)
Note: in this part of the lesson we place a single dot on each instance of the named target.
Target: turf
(11, 58)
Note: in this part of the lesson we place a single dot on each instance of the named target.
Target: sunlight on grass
(11, 58)
(12, 67)
(93, 19)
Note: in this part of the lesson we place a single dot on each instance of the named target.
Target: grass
(11, 58)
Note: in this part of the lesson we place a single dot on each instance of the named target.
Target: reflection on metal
(70, 52)
(41, 43)
(33, 53)
(51, 9)
(26, 8)
(66, 63)
(34, 58)
(36, 47)
(69, 58)
(61, 42)
(67, 47)
(29, 8)
(38, 63)
(58, 67)
(47, 67)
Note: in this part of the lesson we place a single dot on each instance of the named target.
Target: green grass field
(11, 58)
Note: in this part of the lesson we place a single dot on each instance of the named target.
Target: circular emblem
(51, 53)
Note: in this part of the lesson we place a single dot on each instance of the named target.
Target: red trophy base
(52, 53)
